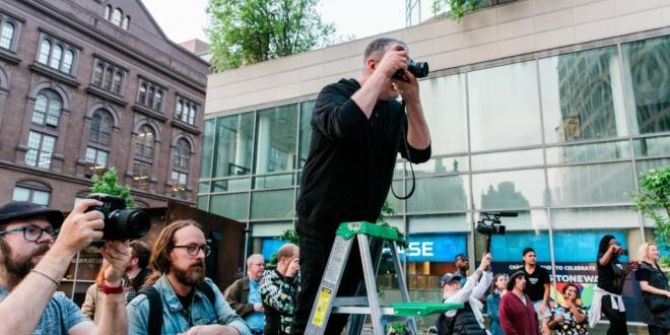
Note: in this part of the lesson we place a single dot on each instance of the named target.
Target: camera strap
(408, 159)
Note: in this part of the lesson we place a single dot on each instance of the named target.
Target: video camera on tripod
(490, 224)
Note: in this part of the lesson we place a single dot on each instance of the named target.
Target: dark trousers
(314, 253)
(653, 330)
(617, 319)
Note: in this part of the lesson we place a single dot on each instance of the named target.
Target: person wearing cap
(462, 264)
(469, 319)
(32, 264)
(517, 313)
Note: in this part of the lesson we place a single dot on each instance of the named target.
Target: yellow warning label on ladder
(322, 301)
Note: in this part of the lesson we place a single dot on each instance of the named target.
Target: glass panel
(596, 218)
(234, 145)
(203, 187)
(272, 205)
(277, 139)
(588, 152)
(274, 181)
(234, 206)
(442, 165)
(591, 184)
(644, 166)
(419, 224)
(582, 96)
(6, 36)
(651, 147)
(306, 111)
(68, 59)
(56, 57)
(41, 198)
(395, 204)
(443, 101)
(21, 194)
(439, 194)
(207, 149)
(45, 50)
(647, 64)
(504, 115)
(504, 160)
(231, 185)
(203, 203)
(503, 190)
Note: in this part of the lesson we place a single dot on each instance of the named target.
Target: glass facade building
(560, 137)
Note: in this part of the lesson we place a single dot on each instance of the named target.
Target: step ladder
(327, 302)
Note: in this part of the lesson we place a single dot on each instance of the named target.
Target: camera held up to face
(418, 69)
(121, 223)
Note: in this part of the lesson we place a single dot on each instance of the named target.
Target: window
(40, 149)
(33, 192)
(144, 145)
(108, 76)
(101, 128)
(126, 22)
(48, 107)
(186, 110)
(7, 35)
(108, 12)
(97, 157)
(56, 55)
(182, 154)
(150, 95)
(117, 16)
(141, 175)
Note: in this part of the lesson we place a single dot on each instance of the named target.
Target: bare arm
(645, 287)
(579, 317)
(607, 256)
(418, 135)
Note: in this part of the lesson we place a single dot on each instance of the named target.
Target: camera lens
(126, 224)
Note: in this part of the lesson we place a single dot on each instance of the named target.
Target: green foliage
(654, 199)
(458, 8)
(108, 184)
(251, 31)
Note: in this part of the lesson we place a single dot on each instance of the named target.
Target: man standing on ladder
(358, 129)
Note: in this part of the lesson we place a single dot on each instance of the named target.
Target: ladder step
(350, 301)
(423, 308)
(386, 310)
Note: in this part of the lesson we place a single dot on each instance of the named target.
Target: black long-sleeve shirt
(351, 160)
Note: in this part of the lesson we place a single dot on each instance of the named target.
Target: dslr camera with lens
(418, 69)
(490, 223)
(121, 223)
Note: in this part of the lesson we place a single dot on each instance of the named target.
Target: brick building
(90, 85)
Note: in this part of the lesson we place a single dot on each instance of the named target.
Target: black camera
(490, 223)
(418, 69)
(623, 252)
(120, 223)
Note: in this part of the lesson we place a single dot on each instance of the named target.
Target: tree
(108, 184)
(251, 31)
(654, 199)
(458, 7)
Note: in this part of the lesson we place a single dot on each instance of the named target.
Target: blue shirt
(60, 315)
(256, 320)
(201, 313)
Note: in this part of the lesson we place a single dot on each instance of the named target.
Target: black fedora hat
(19, 210)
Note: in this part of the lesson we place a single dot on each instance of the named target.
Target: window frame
(47, 59)
(47, 113)
(147, 93)
(14, 38)
(32, 190)
(40, 150)
(186, 110)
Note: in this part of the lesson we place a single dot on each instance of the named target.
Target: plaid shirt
(280, 293)
(59, 316)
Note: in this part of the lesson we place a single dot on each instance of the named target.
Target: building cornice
(111, 42)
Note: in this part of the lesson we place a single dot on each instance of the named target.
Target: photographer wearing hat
(32, 265)
(469, 319)
(358, 129)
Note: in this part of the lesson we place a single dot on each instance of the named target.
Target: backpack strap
(155, 324)
(208, 291)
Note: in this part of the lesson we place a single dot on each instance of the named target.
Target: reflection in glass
(503, 190)
(234, 206)
(529, 229)
(275, 181)
(439, 194)
(591, 184)
(438, 223)
(504, 160)
(652, 147)
(276, 149)
(582, 98)
(588, 152)
(648, 70)
(644, 166)
(272, 205)
(306, 111)
(234, 145)
(443, 102)
(597, 218)
(203, 203)
(237, 184)
(393, 202)
(504, 107)
(440, 166)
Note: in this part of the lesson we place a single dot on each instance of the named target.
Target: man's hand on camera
(80, 228)
(408, 89)
(393, 60)
(293, 268)
(118, 254)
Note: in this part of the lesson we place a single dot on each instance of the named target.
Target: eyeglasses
(32, 233)
(193, 250)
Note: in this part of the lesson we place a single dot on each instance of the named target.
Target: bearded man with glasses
(187, 302)
(33, 260)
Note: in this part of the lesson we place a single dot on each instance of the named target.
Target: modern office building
(552, 109)
(90, 85)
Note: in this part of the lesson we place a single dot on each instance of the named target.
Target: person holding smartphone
(569, 317)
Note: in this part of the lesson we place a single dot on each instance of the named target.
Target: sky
(351, 17)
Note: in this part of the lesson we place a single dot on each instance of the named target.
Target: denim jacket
(202, 312)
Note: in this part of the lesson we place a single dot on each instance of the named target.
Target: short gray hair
(377, 48)
(253, 257)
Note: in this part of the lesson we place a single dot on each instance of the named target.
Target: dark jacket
(279, 295)
(517, 318)
(657, 279)
(237, 295)
(463, 323)
(350, 165)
